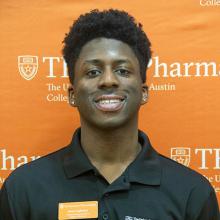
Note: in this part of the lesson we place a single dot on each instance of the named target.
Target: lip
(110, 102)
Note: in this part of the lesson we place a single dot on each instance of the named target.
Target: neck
(110, 146)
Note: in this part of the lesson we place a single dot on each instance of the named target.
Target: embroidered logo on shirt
(135, 218)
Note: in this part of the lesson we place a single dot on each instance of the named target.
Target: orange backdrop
(182, 116)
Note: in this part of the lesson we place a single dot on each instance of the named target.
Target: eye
(93, 73)
(123, 72)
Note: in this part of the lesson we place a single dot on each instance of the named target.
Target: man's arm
(210, 210)
(202, 204)
(5, 211)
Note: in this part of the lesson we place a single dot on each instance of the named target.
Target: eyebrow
(117, 62)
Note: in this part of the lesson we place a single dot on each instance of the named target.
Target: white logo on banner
(28, 66)
(181, 155)
(210, 3)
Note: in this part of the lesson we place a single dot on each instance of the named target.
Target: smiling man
(109, 170)
(108, 91)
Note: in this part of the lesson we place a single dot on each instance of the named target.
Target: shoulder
(191, 190)
(36, 170)
(180, 175)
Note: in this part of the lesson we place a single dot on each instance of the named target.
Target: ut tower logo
(28, 66)
(181, 155)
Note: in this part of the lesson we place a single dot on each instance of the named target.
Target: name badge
(78, 210)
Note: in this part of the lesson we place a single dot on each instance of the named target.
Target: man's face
(107, 87)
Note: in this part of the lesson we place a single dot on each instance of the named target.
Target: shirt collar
(75, 160)
(145, 169)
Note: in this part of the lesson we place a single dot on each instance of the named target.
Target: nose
(108, 79)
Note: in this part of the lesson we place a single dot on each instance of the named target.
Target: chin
(110, 120)
(110, 123)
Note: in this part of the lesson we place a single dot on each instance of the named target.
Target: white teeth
(109, 101)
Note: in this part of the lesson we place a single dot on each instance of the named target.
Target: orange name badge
(78, 210)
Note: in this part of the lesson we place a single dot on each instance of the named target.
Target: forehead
(107, 50)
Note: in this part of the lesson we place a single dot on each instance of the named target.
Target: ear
(144, 94)
(71, 96)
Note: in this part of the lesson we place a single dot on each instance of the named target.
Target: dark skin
(108, 92)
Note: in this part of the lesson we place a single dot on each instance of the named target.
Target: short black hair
(112, 23)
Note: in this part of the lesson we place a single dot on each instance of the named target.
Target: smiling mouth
(110, 103)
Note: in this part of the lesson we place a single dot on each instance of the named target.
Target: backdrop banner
(182, 117)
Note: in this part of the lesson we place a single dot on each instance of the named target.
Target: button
(105, 216)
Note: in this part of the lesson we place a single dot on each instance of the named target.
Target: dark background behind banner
(182, 116)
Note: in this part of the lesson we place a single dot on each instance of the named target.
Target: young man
(109, 170)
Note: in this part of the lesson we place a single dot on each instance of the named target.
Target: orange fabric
(185, 117)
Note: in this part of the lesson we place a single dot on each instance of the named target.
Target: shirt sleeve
(202, 203)
(5, 211)
(210, 210)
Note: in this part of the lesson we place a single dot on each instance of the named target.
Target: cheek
(135, 89)
(83, 91)
(136, 96)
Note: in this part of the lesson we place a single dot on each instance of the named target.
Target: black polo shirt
(152, 187)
